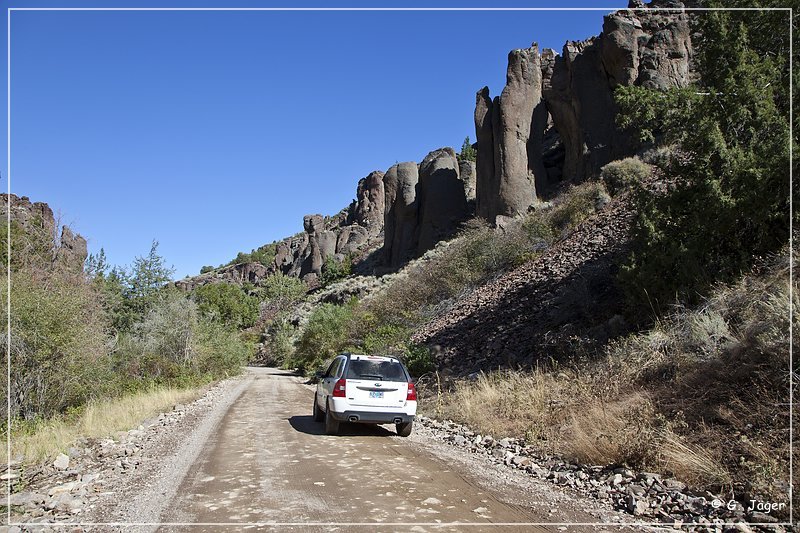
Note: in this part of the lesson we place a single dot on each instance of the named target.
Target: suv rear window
(380, 370)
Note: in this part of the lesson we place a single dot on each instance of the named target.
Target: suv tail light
(412, 393)
(340, 389)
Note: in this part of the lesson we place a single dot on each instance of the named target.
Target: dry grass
(39, 442)
(506, 403)
(691, 463)
(620, 431)
(702, 396)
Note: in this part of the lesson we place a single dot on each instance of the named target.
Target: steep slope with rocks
(563, 297)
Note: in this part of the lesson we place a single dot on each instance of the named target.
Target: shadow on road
(306, 424)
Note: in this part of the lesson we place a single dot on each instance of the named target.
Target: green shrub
(623, 174)
(419, 360)
(169, 329)
(727, 199)
(228, 303)
(175, 344)
(279, 343)
(33, 248)
(219, 351)
(573, 207)
(263, 254)
(386, 339)
(58, 349)
(326, 335)
(333, 270)
(281, 287)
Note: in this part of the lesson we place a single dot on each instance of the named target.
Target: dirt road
(269, 461)
(256, 460)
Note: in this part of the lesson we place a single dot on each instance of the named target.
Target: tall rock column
(513, 125)
(370, 203)
(442, 198)
(517, 103)
(312, 256)
(400, 222)
(486, 189)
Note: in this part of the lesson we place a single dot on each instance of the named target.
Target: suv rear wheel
(319, 416)
(404, 429)
(331, 424)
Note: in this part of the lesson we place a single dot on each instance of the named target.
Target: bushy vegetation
(727, 197)
(228, 303)
(263, 254)
(58, 343)
(624, 174)
(333, 270)
(325, 336)
(81, 336)
(702, 396)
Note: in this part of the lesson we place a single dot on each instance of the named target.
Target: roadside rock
(61, 462)
(638, 494)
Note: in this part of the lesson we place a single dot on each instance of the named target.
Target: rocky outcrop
(555, 119)
(467, 174)
(72, 252)
(642, 47)
(518, 119)
(400, 226)
(369, 206)
(424, 204)
(236, 274)
(36, 219)
(348, 233)
(443, 202)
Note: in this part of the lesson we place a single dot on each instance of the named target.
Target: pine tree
(467, 151)
(729, 189)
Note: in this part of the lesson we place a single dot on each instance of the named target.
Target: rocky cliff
(36, 218)
(554, 120)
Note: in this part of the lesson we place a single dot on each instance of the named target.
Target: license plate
(376, 394)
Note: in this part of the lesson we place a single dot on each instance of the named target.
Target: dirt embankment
(567, 297)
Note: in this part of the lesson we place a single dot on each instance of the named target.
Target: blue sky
(215, 132)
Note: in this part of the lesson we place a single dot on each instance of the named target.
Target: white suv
(367, 389)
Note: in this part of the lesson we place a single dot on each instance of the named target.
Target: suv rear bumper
(371, 417)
